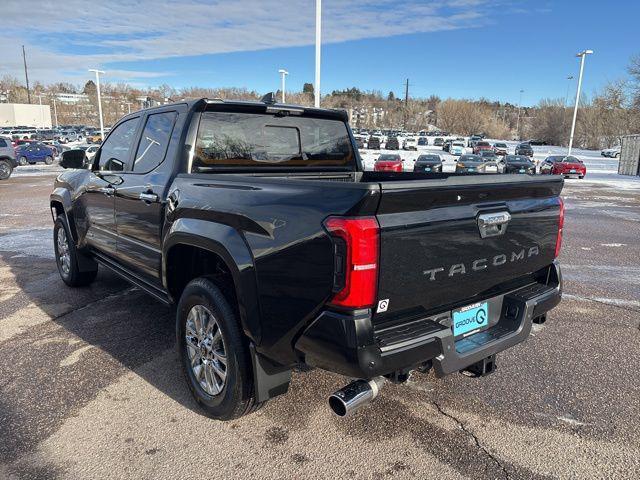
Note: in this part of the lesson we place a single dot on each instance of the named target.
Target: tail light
(356, 250)
(560, 227)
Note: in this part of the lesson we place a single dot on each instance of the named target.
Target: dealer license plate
(470, 318)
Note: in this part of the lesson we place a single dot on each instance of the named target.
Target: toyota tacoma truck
(258, 222)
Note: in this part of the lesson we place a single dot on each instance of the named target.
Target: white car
(410, 143)
(457, 148)
(611, 152)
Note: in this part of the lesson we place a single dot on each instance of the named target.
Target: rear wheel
(23, 161)
(5, 169)
(213, 352)
(67, 257)
(581, 177)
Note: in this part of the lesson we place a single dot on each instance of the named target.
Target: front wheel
(23, 161)
(67, 257)
(5, 169)
(48, 160)
(213, 352)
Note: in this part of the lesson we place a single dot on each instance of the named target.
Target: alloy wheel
(206, 349)
(64, 256)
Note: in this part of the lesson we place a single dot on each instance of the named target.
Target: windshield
(516, 159)
(501, 145)
(263, 140)
(428, 158)
(471, 159)
(388, 158)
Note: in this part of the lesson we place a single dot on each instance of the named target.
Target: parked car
(524, 148)
(373, 143)
(500, 148)
(388, 162)
(410, 143)
(536, 141)
(7, 158)
(438, 141)
(446, 145)
(457, 148)
(359, 141)
(423, 141)
(34, 152)
(611, 152)
(470, 163)
(392, 144)
(428, 163)
(563, 165)
(490, 159)
(481, 146)
(90, 150)
(517, 164)
(67, 136)
(270, 267)
(473, 139)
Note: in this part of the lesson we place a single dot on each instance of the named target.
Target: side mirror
(73, 159)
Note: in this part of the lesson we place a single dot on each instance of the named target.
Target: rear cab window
(234, 140)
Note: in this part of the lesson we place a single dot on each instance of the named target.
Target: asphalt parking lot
(90, 386)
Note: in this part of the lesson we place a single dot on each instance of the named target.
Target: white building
(14, 114)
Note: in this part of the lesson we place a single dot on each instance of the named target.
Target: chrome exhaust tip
(355, 395)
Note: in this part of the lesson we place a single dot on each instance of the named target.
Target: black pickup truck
(258, 221)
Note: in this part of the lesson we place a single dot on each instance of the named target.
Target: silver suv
(7, 158)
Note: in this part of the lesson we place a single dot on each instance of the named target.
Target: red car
(388, 163)
(563, 165)
(480, 146)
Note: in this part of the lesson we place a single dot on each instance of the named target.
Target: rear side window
(154, 141)
(3, 143)
(264, 140)
(114, 153)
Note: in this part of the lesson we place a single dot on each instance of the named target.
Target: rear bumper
(349, 344)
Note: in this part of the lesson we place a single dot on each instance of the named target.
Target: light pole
(41, 115)
(316, 89)
(283, 73)
(128, 104)
(518, 121)
(582, 56)
(55, 112)
(98, 72)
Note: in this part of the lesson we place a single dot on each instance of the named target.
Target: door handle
(108, 191)
(149, 197)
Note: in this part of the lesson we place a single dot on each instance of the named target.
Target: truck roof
(251, 106)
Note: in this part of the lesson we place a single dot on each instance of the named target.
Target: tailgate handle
(493, 224)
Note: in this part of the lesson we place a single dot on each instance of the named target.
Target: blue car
(33, 153)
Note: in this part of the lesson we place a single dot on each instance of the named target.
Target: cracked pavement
(90, 386)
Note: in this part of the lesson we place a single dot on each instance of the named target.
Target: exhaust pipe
(355, 395)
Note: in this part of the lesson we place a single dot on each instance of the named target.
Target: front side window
(264, 140)
(154, 142)
(114, 152)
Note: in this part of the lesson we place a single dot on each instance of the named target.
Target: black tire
(581, 177)
(23, 161)
(48, 160)
(5, 169)
(237, 397)
(73, 277)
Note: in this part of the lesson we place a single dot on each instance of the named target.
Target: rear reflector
(357, 249)
(560, 227)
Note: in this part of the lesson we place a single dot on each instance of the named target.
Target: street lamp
(316, 89)
(41, 114)
(582, 56)
(283, 73)
(518, 121)
(566, 96)
(98, 72)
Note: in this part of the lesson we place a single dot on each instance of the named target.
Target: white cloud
(126, 31)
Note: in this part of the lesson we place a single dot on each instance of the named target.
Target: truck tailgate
(433, 256)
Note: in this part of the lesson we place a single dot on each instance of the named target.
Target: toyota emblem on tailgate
(493, 224)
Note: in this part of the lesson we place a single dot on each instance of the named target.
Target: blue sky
(451, 48)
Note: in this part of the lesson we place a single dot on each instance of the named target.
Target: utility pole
(41, 114)
(518, 121)
(26, 75)
(582, 56)
(316, 89)
(406, 102)
(283, 73)
(128, 104)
